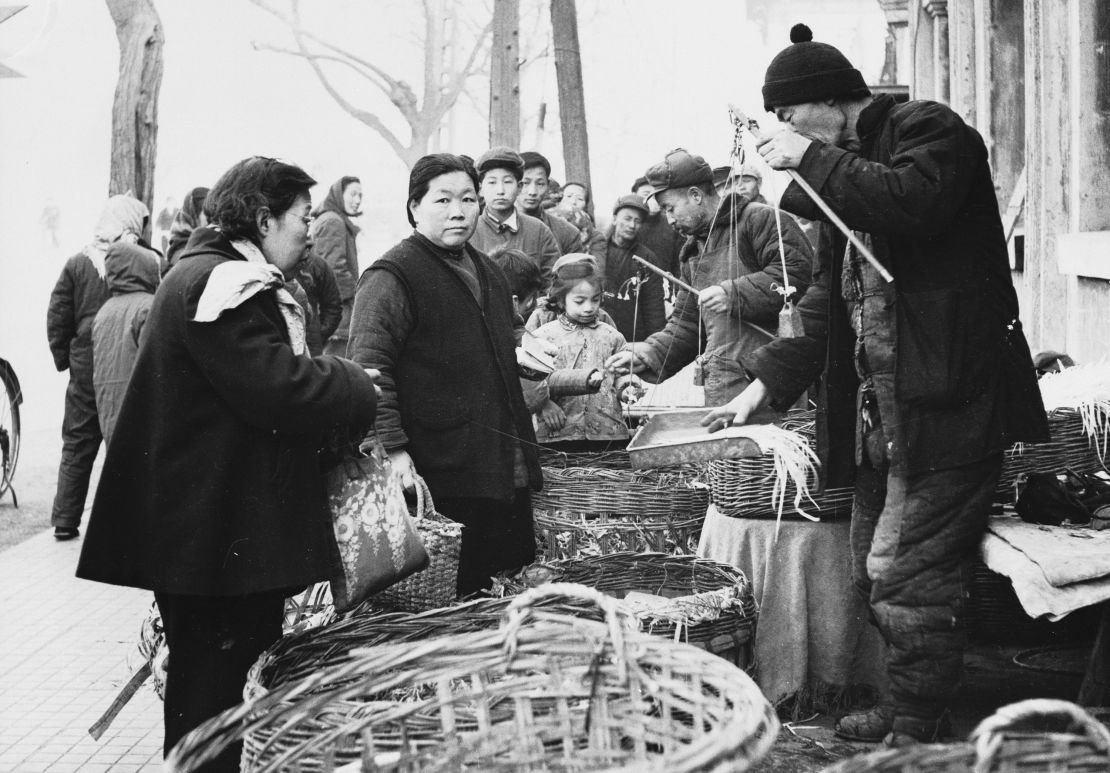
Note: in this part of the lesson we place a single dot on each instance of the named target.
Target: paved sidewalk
(67, 647)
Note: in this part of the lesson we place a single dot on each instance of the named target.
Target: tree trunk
(135, 110)
(572, 103)
(504, 82)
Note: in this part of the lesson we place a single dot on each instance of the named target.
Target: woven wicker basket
(1069, 448)
(594, 504)
(435, 585)
(546, 692)
(296, 656)
(1013, 740)
(713, 606)
(741, 488)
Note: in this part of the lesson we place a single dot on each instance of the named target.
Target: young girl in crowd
(590, 422)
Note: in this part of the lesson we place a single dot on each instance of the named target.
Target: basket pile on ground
(684, 598)
(593, 504)
(546, 691)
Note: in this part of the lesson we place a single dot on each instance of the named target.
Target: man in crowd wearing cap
(748, 183)
(723, 181)
(924, 380)
(732, 257)
(500, 171)
(533, 190)
(657, 234)
(635, 306)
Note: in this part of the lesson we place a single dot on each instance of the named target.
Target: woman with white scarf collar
(78, 295)
(211, 494)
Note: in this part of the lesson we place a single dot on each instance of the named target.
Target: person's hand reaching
(739, 409)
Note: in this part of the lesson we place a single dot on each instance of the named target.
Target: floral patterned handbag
(377, 539)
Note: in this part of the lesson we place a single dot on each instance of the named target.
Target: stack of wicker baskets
(741, 488)
(709, 604)
(592, 504)
(1016, 739)
(547, 691)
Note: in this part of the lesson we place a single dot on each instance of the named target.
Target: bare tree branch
(443, 83)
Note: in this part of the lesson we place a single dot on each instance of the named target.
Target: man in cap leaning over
(732, 257)
(921, 433)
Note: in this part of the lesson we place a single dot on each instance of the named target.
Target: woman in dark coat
(435, 317)
(333, 239)
(211, 493)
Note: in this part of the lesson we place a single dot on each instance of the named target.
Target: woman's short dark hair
(250, 185)
(428, 168)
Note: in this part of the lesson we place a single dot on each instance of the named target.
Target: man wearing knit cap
(920, 433)
(499, 174)
(635, 306)
(732, 256)
(533, 190)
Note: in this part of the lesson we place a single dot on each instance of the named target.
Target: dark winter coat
(566, 236)
(530, 236)
(212, 485)
(132, 274)
(325, 307)
(660, 237)
(964, 384)
(333, 239)
(636, 313)
(739, 252)
(78, 295)
(450, 388)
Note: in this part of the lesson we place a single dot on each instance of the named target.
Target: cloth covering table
(812, 636)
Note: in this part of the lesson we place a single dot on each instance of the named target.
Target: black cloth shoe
(907, 731)
(872, 725)
(63, 533)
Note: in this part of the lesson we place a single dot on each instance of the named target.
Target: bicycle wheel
(10, 397)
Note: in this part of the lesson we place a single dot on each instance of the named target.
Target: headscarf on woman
(122, 219)
(333, 202)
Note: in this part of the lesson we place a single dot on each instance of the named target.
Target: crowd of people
(218, 372)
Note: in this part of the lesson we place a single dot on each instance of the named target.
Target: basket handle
(524, 606)
(425, 507)
(988, 735)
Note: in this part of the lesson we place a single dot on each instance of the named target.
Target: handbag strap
(425, 507)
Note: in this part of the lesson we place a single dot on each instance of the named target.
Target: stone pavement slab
(67, 646)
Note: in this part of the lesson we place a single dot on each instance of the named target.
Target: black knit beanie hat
(809, 72)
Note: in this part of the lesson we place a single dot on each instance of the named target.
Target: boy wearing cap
(500, 171)
(732, 257)
(637, 309)
(921, 433)
(533, 190)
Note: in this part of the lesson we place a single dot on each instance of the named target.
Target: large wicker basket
(546, 692)
(1019, 738)
(709, 604)
(1070, 447)
(742, 488)
(300, 654)
(593, 504)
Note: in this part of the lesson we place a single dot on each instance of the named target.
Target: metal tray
(678, 438)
